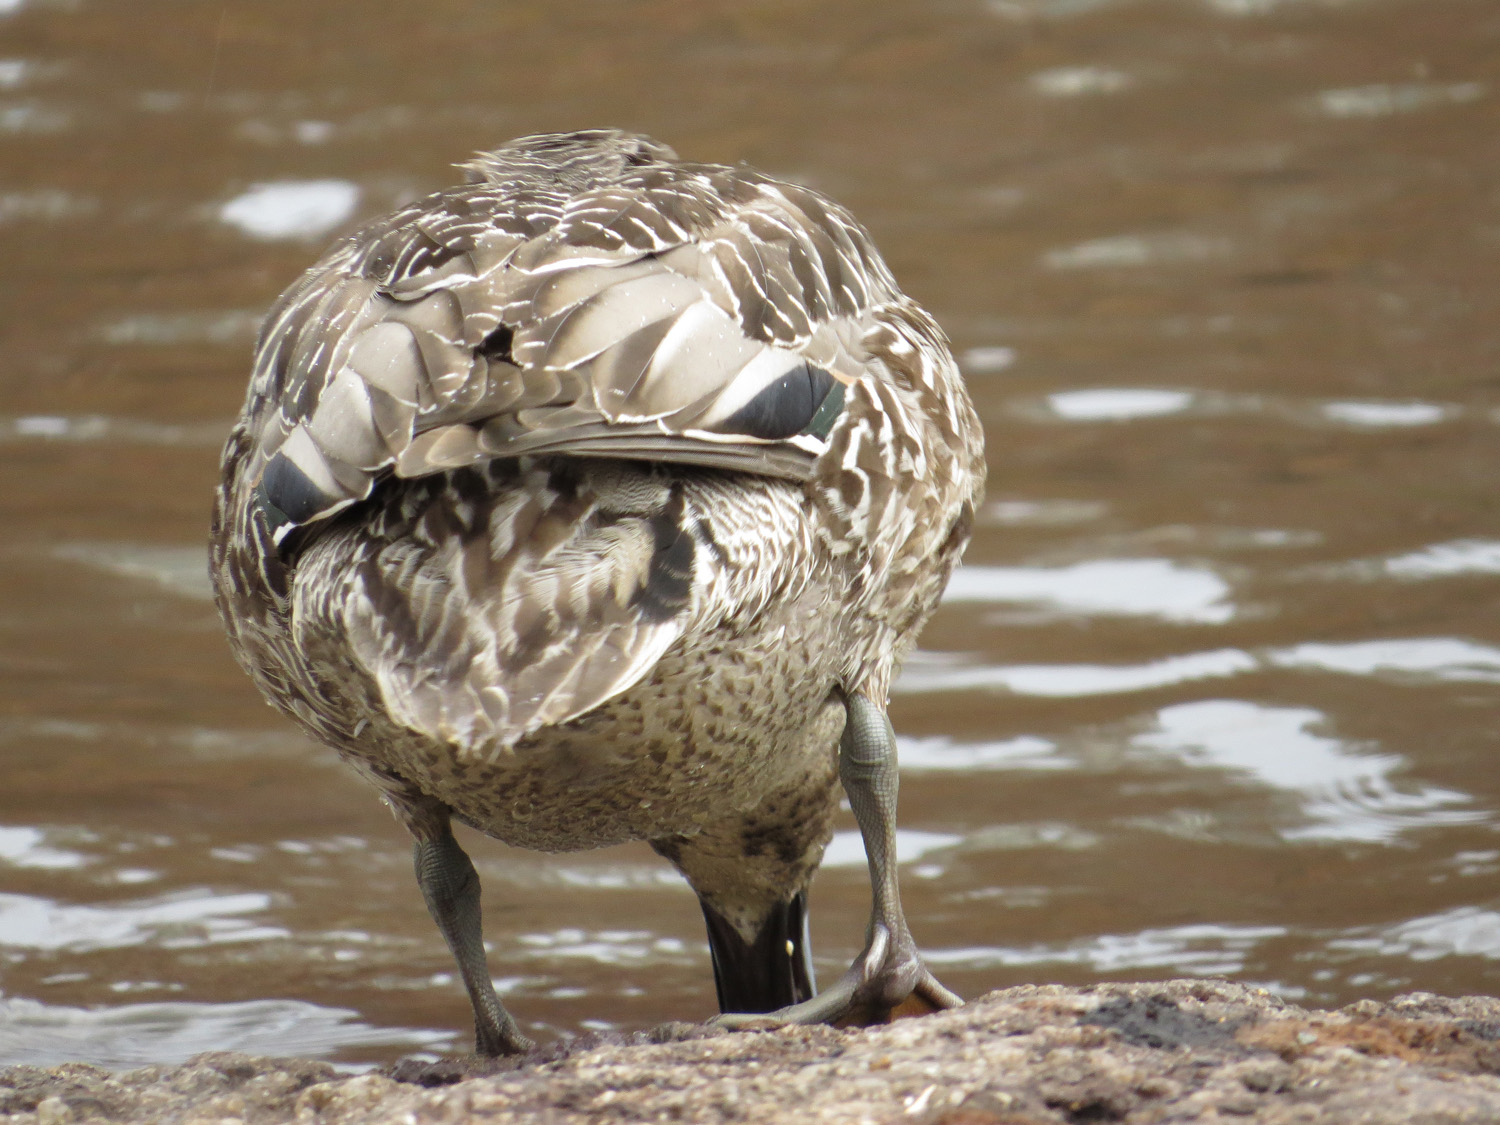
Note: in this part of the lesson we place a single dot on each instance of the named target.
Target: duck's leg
(450, 885)
(888, 972)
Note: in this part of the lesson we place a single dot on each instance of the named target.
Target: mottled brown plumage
(579, 501)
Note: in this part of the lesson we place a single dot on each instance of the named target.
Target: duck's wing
(569, 594)
(685, 313)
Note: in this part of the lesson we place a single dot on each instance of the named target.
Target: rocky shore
(1137, 1053)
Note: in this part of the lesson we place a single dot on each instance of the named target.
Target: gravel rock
(1137, 1053)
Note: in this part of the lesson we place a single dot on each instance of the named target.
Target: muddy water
(1216, 694)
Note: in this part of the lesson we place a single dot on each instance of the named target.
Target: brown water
(1216, 695)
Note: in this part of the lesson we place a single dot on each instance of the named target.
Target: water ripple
(1447, 659)
(1464, 931)
(1414, 660)
(1346, 793)
(1064, 680)
(24, 846)
(847, 849)
(1383, 100)
(99, 427)
(1156, 588)
(1441, 560)
(133, 1035)
(291, 209)
(184, 920)
(941, 754)
(178, 570)
(1204, 950)
(1376, 415)
(610, 947)
(1113, 404)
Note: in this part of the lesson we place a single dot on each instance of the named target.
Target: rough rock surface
(1175, 1051)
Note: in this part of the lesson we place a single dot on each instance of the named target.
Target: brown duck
(599, 499)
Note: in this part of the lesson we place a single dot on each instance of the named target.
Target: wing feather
(633, 311)
(571, 597)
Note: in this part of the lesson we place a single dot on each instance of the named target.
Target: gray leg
(451, 887)
(888, 971)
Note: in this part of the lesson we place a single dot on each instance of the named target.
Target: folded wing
(684, 313)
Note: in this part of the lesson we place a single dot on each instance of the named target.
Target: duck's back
(514, 450)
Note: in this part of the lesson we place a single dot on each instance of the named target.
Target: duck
(599, 498)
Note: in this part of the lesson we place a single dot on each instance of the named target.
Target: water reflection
(97, 427)
(177, 570)
(925, 673)
(1464, 931)
(45, 205)
(1076, 81)
(1135, 251)
(1211, 268)
(1345, 792)
(1404, 659)
(1376, 414)
(237, 326)
(847, 849)
(292, 209)
(942, 754)
(1197, 950)
(1382, 100)
(132, 1035)
(986, 360)
(181, 920)
(610, 947)
(1448, 659)
(1442, 560)
(1042, 512)
(1156, 588)
(1117, 404)
(32, 117)
(26, 847)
